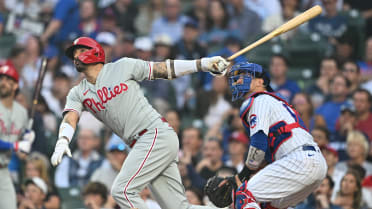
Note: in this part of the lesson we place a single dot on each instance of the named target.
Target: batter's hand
(25, 144)
(215, 65)
(60, 149)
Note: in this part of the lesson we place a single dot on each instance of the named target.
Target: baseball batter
(111, 93)
(296, 166)
(13, 123)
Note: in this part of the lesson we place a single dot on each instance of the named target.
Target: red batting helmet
(96, 54)
(9, 71)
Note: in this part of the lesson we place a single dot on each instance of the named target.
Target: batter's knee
(117, 192)
(124, 194)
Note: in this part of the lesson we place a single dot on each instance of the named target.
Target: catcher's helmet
(96, 54)
(9, 71)
(246, 71)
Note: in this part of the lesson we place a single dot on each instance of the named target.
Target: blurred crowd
(330, 88)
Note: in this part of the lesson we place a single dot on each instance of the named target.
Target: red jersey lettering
(104, 95)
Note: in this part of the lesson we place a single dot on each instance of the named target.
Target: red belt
(139, 134)
(143, 132)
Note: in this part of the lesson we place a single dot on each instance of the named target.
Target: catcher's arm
(256, 153)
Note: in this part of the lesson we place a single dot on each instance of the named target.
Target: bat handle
(30, 123)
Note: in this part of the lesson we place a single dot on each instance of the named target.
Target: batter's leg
(169, 192)
(7, 191)
(149, 157)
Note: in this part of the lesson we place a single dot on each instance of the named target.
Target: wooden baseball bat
(38, 85)
(290, 25)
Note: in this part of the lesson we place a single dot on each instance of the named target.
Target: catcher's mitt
(220, 196)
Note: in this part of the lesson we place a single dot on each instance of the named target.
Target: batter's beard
(80, 66)
(4, 93)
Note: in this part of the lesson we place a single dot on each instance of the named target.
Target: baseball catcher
(278, 136)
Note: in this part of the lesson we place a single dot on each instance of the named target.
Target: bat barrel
(290, 25)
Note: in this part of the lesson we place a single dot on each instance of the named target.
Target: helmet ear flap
(91, 56)
(96, 54)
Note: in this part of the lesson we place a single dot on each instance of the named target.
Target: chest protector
(280, 131)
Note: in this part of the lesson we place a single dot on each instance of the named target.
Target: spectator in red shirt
(362, 101)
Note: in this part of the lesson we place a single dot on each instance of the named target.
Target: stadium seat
(356, 24)
(71, 198)
(303, 76)
(306, 50)
(262, 53)
(6, 43)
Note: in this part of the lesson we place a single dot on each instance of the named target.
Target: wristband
(184, 67)
(244, 174)
(66, 130)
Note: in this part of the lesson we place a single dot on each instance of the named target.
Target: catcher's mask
(246, 72)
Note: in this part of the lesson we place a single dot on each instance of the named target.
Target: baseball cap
(106, 38)
(117, 147)
(240, 137)
(40, 183)
(163, 40)
(143, 43)
(115, 143)
(329, 149)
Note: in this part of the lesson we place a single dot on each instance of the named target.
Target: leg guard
(267, 205)
(244, 198)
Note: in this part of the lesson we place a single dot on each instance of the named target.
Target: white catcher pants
(289, 180)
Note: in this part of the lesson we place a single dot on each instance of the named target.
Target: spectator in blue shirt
(244, 20)
(217, 25)
(320, 89)
(171, 23)
(331, 109)
(331, 23)
(279, 82)
(64, 24)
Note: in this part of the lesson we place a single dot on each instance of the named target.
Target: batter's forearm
(68, 125)
(161, 71)
(171, 69)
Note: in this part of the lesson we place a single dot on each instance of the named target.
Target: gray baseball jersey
(12, 123)
(116, 98)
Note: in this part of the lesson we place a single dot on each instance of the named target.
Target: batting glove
(25, 144)
(29, 135)
(60, 149)
(215, 65)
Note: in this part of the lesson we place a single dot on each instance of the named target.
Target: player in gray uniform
(111, 93)
(13, 123)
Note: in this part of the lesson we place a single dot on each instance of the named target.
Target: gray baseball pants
(152, 161)
(7, 191)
